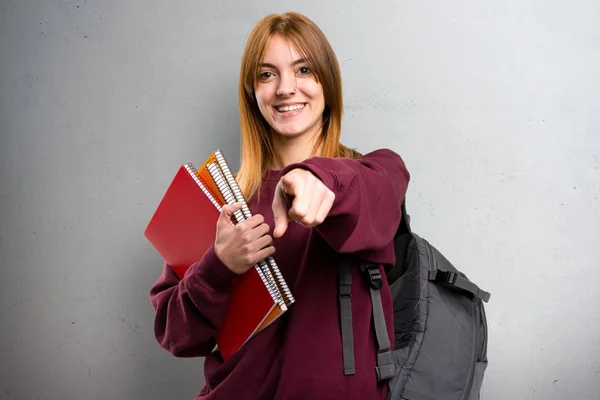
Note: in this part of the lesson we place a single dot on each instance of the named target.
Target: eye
(304, 71)
(265, 76)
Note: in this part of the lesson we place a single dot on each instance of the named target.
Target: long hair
(256, 139)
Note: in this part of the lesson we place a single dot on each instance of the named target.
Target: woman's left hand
(300, 196)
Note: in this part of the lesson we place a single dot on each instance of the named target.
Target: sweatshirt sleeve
(368, 197)
(188, 312)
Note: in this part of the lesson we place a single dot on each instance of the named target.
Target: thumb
(227, 213)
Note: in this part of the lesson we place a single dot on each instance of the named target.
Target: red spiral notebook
(182, 229)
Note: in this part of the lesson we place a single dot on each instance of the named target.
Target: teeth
(290, 108)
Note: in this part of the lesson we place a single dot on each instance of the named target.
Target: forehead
(280, 51)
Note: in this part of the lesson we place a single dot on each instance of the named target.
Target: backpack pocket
(397, 383)
(475, 392)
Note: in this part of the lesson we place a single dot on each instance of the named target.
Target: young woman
(346, 205)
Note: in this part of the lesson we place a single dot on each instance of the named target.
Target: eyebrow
(268, 65)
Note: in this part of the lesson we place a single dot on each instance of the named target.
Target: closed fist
(242, 245)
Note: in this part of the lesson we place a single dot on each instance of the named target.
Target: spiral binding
(239, 196)
(221, 183)
(194, 174)
(283, 287)
(262, 267)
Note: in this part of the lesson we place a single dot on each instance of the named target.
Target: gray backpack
(440, 327)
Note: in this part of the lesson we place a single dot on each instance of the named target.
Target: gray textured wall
(493, 105)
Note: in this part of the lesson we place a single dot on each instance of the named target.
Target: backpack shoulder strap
(385, 363)
(345, 297)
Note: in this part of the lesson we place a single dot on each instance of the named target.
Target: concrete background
(493, 105)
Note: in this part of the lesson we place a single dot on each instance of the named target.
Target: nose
(287, 85)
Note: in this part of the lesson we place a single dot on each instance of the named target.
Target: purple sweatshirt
(299, 356)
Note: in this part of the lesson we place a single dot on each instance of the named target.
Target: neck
(292, 150)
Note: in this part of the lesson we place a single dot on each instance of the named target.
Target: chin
(290, 131)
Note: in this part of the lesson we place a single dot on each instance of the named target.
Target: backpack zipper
(473, 367)
(432, 260)
(483, 356)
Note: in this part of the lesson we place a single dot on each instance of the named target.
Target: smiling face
(288, 95)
